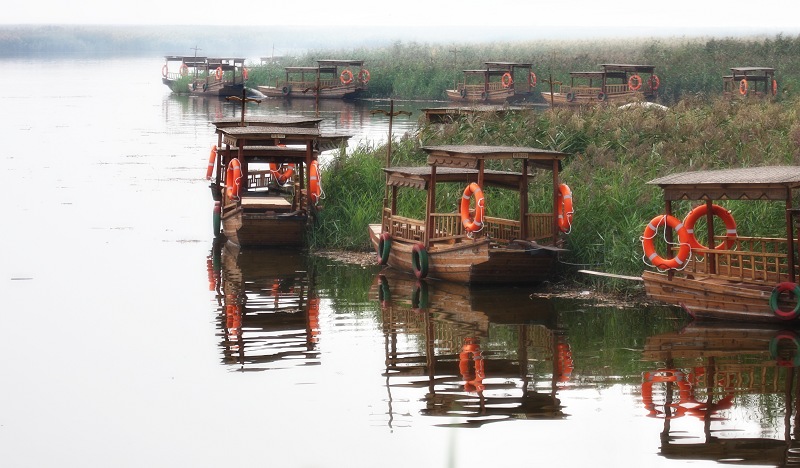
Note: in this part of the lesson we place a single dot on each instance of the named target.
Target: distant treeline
(408, 69)
(686, 66)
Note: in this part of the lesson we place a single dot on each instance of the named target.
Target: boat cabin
(617, 83)
(496, 83)
(750, 81)
(329, 79)
(218, 76)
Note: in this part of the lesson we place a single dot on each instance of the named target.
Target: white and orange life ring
(506, 80)
(564, 208)
(218, 73)
(363, 76)
(635, 82)
(473, 224)
(532, 79)
(184, 70)
(164, 70)
(314, 186)
(244, 73)
(722, 213)
(211, 160)
(284, 173)
(233, 179)
(650, 231)
(655, 82)
(743, 87)
(774, 87)
(346, 77)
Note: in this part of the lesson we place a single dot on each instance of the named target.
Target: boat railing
(300, 85)
(581, 90)
(448, 227)
(258, 179)
(478, 88)
(753, 259)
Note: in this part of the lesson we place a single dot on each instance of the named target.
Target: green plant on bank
(612, 155)
(687, 66)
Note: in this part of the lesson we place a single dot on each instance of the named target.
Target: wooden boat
(204, 76)
(708, 377)
(267, 178)
(614, 84)
(268, 308)
(330, 79)
(497, 83)
(739, 278)
(440, 362)
(471, 247)
(750, 81)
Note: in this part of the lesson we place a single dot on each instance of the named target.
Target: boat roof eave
(468, 156)
(628, 67)
(752, 183)
(419, 176)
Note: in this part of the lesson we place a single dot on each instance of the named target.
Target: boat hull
(338, 92)
(565, 100)
(706, 298)
(475, 262)
(265, 230)
(492, 97)
(213, 89)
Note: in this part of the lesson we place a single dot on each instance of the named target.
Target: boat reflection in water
(473, 356)
(710, 382)
(269, 310)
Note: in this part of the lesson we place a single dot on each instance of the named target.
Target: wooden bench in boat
(266, 203)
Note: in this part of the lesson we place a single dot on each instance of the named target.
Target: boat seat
(266, 203)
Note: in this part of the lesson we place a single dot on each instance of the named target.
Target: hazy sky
(773, 16)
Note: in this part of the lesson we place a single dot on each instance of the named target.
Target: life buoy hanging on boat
(233, 179)
(314, 186)
(564, 208)
(722, 213)
(743, 87)
(473, 224)
(285, 173)
(506, 80)
(164, 70)
(532, 79)
(774, 87)
(363, 76)
(655, 82)
(244, 73)
(680, 260)
(571, 97)
(212, 158)
(601, 96)
(635, 82)
(463, 93)
(184, 70)
(419, 261)
(783, 288)
(218, 73)
(384, 247)
(346, 77)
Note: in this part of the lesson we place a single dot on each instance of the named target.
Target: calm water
(132, 339)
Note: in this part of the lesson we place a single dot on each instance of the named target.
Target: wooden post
(790, 252)
(523, 201)
(430, 209)
(668, 235)
(711, 258)
(555, 202)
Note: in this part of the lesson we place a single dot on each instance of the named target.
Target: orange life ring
(635, 82)
(743, 87)
(218, 73)
(472, 372)
(244, 73)
(184, 70)
(211, 159)
(532, 79)
(722, 213)
(774, 87)
(655, 82)
(677, 262)
(346, 77)
(473, 224)
(564, 208)
(164, 70)
(233, 179)
(506, 80)
(314, 186)
(285, 173)
(363, 76)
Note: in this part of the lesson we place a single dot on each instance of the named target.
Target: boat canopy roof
(752, 183)
(226, 63)
(630, 68)
(508, 65)
(469, 156)
(269, 121)
(419, 177)
(743, 70)
(275, 135)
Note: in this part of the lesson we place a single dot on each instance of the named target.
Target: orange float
(315, 189)
(211, 159)
(473, 224)
(564, 208)
(725, 215)
(233, 179)
(650, 231)
(346, 77)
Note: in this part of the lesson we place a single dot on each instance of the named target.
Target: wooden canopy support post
(668, 237)
(430, 209)
(711, 259)
(555, 202)
(523, 201)
(791, 247)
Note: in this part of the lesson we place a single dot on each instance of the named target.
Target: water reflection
(268, 308)
(726, 392)
(470, 356)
